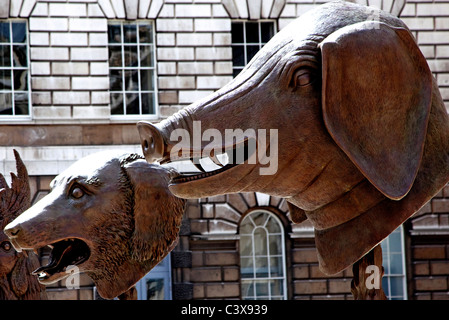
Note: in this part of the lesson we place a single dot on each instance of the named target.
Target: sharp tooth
(216, 161)
(197, 165)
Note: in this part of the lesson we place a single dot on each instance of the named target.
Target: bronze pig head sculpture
(110, 215)
(362, 131)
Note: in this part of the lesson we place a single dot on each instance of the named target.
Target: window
(14, 75)
(393, 281)
(262, 257)
(156, 285)
(131, 69)
(247, 39)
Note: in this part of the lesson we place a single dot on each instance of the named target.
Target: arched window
(262, 257)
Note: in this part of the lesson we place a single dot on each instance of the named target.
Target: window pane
(273, 226)
(114, 34)
(275, 244)
(146, 80)
(115, 80)
(20, 56)
(246, 267)
(147, 100)
(251, 51)
(155, 289)
(237, 32)
(262, 289)
(252, 32)
(116, 103)
(5, 80)
(267, 31)
(259, 218)
(115, 56)
(19, 32)
(260, 242)
(20, 80)
(247, 288)
(4, 32)
(276, 269)
(146, 56)
(238, 56)
(5, 56)
(131, 58)
(6, 104)
(261, 267)
(131, 80)
(277, 287)
(130, 33)
(132, 103)
(21, 103)
(145, 34)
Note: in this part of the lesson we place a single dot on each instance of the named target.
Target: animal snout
(152, 142)
(12, 231)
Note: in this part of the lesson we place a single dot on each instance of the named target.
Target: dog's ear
(157, 212)
(376, 96)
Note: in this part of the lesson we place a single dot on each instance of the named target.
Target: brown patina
(363, 134)
(110, 214)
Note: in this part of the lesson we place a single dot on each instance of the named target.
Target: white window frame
(15, 117)
(245, 44)
(161, 271)
(386, 254)
(133, 117)
(283, 254)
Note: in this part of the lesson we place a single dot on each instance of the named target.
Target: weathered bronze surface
(363, 134)
(16, 281)
(111, 215)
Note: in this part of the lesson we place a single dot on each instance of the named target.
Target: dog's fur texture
(119, 205)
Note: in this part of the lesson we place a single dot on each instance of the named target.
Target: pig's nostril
(13, 231)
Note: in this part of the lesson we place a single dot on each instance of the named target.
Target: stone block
(40, 68)
(89, 54)
(39, 39)
(223, 290)
(166, 68)
(174, 25)
(431, 284)
(71, 97)
(178, 82)
(212, 82)
(190, 96)
(176, 54)
(48, 24)
(193, 39)
(68, 39)
(212, 25)
(213, 53)
(195, 68)
(98, 39)
(310, 286)
(50, 83)
(49, 53)
(70, 68)
(49, 112)
(193, 10)
(100, 97)
(90, 83)
(91, 24)
(81, 112)
(41, 98)
(432, 9)
(67, 9)
(166, 39)
(99, 68)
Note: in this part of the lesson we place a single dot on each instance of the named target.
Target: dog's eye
(6, 245)
(302, 77)
(77, 193)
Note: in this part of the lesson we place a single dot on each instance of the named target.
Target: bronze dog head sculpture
(362, 132)
(16, 281)
(109, 214)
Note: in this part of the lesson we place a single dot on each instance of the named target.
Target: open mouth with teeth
(64, 254)
(215, 164)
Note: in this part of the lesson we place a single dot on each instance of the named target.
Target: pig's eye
(302, 77)
(6, 245)
(77, 192)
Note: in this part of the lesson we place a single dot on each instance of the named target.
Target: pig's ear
(157, 212)
(376, 96)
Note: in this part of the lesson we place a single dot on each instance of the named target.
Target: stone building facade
(76, 75)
